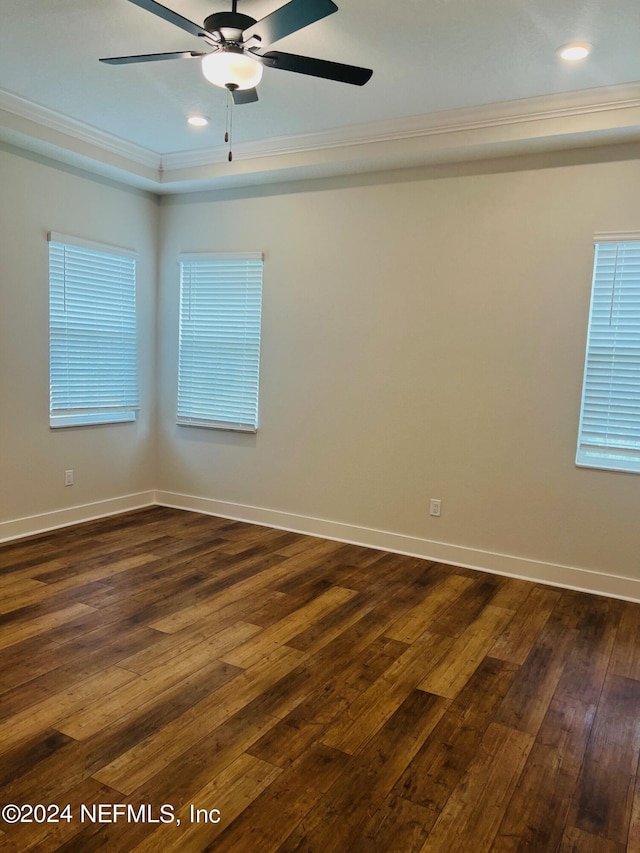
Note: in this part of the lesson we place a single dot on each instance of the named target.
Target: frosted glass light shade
(231, 68)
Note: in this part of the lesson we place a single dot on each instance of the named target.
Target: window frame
(115, 402)
(200, 340)
(602, 412)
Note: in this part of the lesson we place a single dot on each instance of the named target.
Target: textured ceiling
(427, 55)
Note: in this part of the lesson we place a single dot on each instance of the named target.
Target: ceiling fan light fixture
(230, 67)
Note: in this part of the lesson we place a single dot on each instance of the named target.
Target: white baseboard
(552, 574)
(32, 524)
(566, 577)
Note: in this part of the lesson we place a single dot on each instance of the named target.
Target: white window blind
(609, 435)
(219, 357)
(92, 333)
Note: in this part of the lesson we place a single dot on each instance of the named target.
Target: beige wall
(109, 461)
(421, 339)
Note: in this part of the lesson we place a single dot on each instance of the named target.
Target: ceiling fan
(235, 62)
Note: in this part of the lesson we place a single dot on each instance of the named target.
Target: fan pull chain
(227, 135)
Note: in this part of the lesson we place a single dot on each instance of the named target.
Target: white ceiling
(483, 59)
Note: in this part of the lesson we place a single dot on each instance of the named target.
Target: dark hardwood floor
(276, 692)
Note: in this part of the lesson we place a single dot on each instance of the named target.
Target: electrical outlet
(68, 477)
(434, 507)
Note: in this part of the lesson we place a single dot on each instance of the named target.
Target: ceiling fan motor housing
(230, 25)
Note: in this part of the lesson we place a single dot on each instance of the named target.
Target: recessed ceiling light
(198, 121)
(575, 51)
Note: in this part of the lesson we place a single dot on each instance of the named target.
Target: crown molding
(63, 124)
(615, 100)
(606, 115)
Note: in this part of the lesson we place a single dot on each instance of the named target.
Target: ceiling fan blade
(289, 19)
(316, 67)
(151, 57)
(170, 16)
(244, 96)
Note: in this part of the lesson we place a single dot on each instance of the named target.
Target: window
(609, 434)
(92, 333)
(219, 358)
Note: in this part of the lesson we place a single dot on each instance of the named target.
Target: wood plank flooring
(264, 691)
